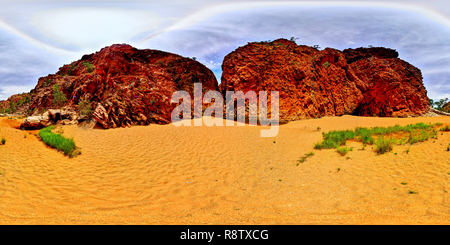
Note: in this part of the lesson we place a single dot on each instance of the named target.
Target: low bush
(384, 145)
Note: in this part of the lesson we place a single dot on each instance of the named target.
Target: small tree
(59, 98)
(84, 107)
(439, 104)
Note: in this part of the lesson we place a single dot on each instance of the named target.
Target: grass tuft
(384, 145)
(57, 141)
(417, 133)
(303, 159)
(343, 150)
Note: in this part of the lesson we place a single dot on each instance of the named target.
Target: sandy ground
(162, 174)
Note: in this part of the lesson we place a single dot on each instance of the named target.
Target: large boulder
(50, 117)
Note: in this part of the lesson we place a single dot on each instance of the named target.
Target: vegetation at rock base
(85, 108)
(59, 98)
(57, 141)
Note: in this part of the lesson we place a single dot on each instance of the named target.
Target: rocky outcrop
(16, 104)
(391, 87)
(50, 117)
(313, 83)
(126, 86)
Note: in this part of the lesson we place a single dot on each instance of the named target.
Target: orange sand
(162, 174)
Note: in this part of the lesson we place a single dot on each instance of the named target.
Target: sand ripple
(162, 174)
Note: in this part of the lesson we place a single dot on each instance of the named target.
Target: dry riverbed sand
(162, 174)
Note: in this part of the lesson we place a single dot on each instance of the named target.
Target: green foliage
(303, 159)
(446, 128)
(3, 140)
(57, 141)
(47, 82)
(344, 150)
(89, 66)
(335, 139)
(24, 100)
(438, 104)
(326, 64)
(85, 108)
(12, 107)
(384, 145)
(59, 98)
(417, 133)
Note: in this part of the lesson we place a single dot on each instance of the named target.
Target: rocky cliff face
(391, 87)
(313, 83)
(126, 86)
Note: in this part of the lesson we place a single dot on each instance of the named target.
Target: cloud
(21, 64)
(90, 27)
(7, 91)
(419, 40)
(36, 35)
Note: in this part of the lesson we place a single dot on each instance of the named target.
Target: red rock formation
(16, 104)
(391, 87)
(311, 83)
(315, 83)
(126, 86)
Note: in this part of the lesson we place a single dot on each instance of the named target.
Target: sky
(37, 37)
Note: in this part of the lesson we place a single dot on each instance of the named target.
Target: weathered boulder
(50, 117)
(32, 122)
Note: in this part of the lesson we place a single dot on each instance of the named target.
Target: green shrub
(417, 132)
(57, 141)
(384, 145)
(85, 108)
(89, 66)
(343, 150)
(3, 140)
